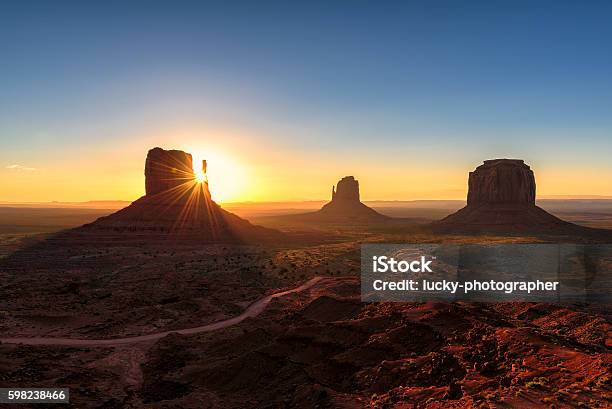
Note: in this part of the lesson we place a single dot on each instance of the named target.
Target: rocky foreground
(330, 350)
(324, 348)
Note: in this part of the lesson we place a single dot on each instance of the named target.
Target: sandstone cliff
(167, 169)
(346, 206)
(502, 181)
(501, 197)
(177, 205)
(347, 190)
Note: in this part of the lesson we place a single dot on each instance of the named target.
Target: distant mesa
(176, 204)
(345, 205)
(501, 197)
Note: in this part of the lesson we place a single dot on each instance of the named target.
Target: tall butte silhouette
(345, 206)
(501, 197)
(176, 204)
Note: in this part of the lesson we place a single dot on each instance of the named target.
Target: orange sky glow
(241, 170)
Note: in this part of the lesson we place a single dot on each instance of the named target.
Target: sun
(199, 174)
(226, 176)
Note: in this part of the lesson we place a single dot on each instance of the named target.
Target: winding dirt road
(252, 311)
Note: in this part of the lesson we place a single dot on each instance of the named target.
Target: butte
(345, 206)
(501, 198)
(178, 206)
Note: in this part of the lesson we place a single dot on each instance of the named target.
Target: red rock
(177, 205)
(165, 170)
(345, 206)
(347, 190)
(502, 181)
(501, 197)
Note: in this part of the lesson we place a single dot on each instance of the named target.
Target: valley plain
(320, 347)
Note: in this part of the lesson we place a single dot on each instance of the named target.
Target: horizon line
(85, 202)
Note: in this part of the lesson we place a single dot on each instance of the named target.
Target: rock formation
(501, 196)
(165, 170)
(345, 205)
(501, 181)
(177, 205)
(347, 190)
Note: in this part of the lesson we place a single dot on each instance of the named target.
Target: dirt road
(252, 311)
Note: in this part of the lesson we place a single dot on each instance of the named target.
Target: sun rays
(178, 201)
(228, 175)
(187, 200)
(200, 171)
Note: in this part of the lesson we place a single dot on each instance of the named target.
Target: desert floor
(319, 347)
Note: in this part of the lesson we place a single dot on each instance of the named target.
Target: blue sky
(458, 82)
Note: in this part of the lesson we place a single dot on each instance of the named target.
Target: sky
(285, 98)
